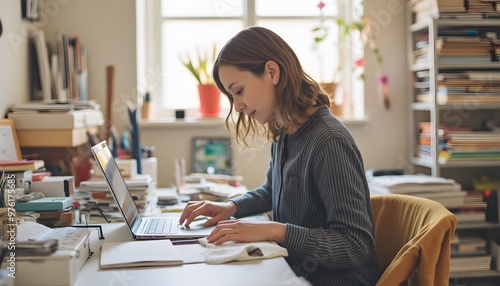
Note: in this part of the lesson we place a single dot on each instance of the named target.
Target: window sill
(172, 122)
(182, 123)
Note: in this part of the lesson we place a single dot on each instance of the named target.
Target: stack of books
(50, 211)
(462, 87)
(468, 245)
(43, 124)
(95, 193)
(472, 263)
(21, 173)
(473, 208)
(462, 45)
(453, 9)
(455, 44)
(436, 8)
(470, 145)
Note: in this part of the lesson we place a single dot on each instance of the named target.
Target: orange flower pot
(209, 100)
(330, 88)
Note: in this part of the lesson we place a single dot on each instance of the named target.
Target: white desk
(252, 273)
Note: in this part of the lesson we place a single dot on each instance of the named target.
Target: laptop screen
(115, 180)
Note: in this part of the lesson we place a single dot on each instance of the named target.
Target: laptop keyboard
(161, 226)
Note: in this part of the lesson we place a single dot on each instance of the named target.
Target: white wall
(14, 69)
(108, 29)
(384, 140)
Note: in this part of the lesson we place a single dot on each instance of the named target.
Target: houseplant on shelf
(200, 67)
(349, 32)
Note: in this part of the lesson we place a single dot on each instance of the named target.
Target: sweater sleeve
(346, 240)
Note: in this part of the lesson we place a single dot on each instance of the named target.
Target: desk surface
(258, 272)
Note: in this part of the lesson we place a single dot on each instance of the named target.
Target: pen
(185, 241)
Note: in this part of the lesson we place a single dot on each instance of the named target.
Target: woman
(316, 185)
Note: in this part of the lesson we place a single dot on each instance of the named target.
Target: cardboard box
(55, 186)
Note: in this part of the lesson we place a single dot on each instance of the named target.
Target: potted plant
(200, 67)
(360, 28)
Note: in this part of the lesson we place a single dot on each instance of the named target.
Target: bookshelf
(445, 96)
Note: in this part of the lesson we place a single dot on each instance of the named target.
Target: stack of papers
(411, 184)
(445, 191)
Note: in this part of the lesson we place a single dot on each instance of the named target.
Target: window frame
(149, 51)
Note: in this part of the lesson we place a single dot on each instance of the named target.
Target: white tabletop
(258, 272)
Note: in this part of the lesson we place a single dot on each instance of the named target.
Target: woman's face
(253, 95)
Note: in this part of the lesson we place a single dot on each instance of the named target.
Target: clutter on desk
(49, 211)
(73, 249)
(58, 132)
(95, 198)
(212, 191)
(167, 196)
(200, 186)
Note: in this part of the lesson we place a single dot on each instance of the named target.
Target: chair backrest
(412, 237)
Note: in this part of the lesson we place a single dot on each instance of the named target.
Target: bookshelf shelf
(475, 274)
(427, 162)
(468, 22)
(478, 225)
(470, 65)
(423, 25)
(466, 104)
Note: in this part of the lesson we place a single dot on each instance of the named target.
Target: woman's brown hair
(296, 91)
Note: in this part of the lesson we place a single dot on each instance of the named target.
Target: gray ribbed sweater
(316, 185)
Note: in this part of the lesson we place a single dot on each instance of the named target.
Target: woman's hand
(247, 231)
(217, 211)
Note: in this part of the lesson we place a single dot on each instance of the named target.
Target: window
(170, 28)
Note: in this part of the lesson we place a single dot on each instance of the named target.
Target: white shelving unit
(433, 111)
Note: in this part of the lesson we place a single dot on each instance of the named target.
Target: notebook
(160, 227)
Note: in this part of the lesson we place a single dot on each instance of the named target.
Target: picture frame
(212, 155)
(10, 149)
(30, 10)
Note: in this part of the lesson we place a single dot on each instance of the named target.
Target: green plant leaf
(201, 66)
(318, 39)
(188, 63)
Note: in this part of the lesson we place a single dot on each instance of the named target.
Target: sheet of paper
(29, 230)
(139, 253)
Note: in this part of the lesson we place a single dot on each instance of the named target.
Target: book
(73, 119)
(45, 204)
(43, 65)
(55, 137)
(23, 165)
(139, 254)
(54, 105)
(471, 263)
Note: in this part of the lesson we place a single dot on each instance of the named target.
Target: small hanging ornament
(384, 91)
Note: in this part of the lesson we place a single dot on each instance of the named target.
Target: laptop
(150, 227)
